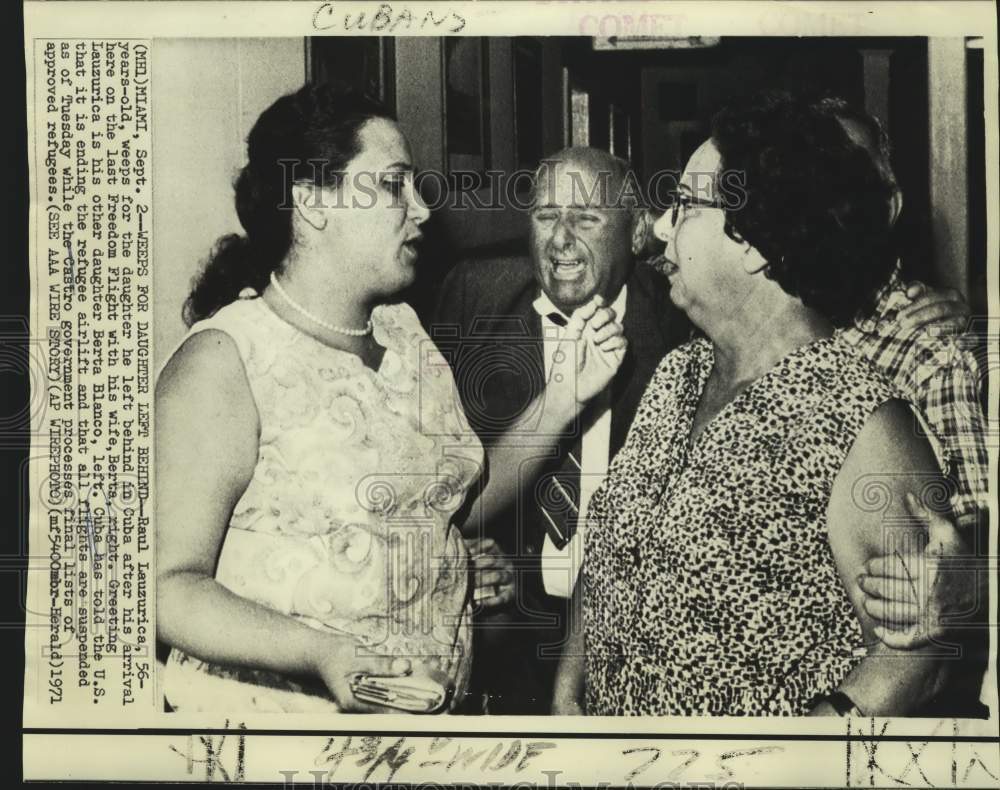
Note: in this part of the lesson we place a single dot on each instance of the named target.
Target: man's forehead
(577, 184)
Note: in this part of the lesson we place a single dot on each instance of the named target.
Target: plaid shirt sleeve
(946, 390)
(938, 373)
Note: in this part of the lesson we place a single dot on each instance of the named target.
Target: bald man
(586, 229)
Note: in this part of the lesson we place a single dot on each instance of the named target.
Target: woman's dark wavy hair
(314, 131)
(813, 203)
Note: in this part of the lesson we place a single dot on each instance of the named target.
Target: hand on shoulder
(943, 310)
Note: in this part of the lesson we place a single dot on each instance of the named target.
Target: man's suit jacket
(487, 327)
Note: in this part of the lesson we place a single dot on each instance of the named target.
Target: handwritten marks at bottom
(871, 753)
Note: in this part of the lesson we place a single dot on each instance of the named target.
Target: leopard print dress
(709, 583)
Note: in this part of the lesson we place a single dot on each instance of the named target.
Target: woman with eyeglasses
(310, 447)
(767, 461)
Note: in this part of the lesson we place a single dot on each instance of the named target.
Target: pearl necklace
(319, 321)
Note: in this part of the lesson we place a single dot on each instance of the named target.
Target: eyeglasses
(685, 200)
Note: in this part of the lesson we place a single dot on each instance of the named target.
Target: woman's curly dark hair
(314, 131)
(812, 203)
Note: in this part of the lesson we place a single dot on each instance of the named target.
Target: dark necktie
(558, 491)
(558, 496)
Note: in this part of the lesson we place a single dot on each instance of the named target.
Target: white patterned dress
(346, 523)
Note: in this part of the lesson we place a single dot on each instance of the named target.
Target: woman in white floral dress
(310, 449)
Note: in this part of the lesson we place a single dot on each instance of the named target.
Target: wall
(736, 67)
(419, 106)
(667, 142)
(456, 232)
(207, 93)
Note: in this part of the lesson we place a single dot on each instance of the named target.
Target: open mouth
(411, 245)
(662, 264)
(567, 268)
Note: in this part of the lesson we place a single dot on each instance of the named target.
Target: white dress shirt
(561, 567)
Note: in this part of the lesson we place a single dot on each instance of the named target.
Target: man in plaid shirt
(921, 350)
(936, 370)
(920, 347)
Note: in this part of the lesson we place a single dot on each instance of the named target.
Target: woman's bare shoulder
(206, 381)
(203, 358)
(892, 440)
(889, 459)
